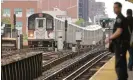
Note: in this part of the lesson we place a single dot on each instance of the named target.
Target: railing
(9, 52)
(22, 67)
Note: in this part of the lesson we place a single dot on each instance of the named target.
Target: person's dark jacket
(130, 23)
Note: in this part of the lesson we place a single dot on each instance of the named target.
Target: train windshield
(40, 21)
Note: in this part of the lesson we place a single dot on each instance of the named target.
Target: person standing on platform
(130, 27)
(120, 41)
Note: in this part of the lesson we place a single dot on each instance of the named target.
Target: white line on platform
(100, 69)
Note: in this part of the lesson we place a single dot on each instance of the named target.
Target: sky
(109, 6)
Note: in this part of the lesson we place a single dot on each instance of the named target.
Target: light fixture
(31, 35)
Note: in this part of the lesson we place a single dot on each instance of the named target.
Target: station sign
(40, 15)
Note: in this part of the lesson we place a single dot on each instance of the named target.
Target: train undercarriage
(41, 43)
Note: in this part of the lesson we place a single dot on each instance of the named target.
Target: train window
(40, 23)
(31, 24)
(49, 24)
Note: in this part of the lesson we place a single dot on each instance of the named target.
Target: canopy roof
(130, 1)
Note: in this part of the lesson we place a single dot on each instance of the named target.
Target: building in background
(83, 9)
(75, 8)
(70, 6)
(59, 14)
(56, 13)
(96, 9)
(22, 9)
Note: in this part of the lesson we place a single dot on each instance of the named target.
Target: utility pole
(14, 21)
(65, 42)
(78, 40)
(13, 31)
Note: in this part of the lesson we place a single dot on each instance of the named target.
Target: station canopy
(130, 1)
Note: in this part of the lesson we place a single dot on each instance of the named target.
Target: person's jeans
(130, 64)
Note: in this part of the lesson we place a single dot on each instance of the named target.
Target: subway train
(40, 30)
(45, 30)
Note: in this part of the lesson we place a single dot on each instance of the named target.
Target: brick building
(74, 8)
(22, 9)
(65, 5)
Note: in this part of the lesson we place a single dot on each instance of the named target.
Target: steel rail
(69, 65)
(81, 70)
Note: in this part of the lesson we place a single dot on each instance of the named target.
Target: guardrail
(9, 52)
(22, 67)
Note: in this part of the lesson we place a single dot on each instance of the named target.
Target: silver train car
(44, 30)
(40, 30)
(92, 34)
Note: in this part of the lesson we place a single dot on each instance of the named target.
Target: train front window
(49, 24)
(40, 23)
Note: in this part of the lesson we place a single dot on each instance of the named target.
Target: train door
(40, 28)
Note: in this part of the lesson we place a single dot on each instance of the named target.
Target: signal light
(66, 25)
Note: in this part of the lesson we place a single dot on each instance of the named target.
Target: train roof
(90, 27)
(93, 27)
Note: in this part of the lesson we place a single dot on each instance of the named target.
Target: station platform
(107, 71)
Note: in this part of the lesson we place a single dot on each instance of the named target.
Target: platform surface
(107, 72)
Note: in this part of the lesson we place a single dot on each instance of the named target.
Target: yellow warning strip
(106, 72)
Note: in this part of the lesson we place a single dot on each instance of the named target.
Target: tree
(6, 20)
(25, 37)
(80, 21)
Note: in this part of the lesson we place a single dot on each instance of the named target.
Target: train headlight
(31, 35)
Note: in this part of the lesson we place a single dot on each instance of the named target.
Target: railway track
(67, 67)
(56, 61)
(81, 73)
(63, 57)
(88, 73)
